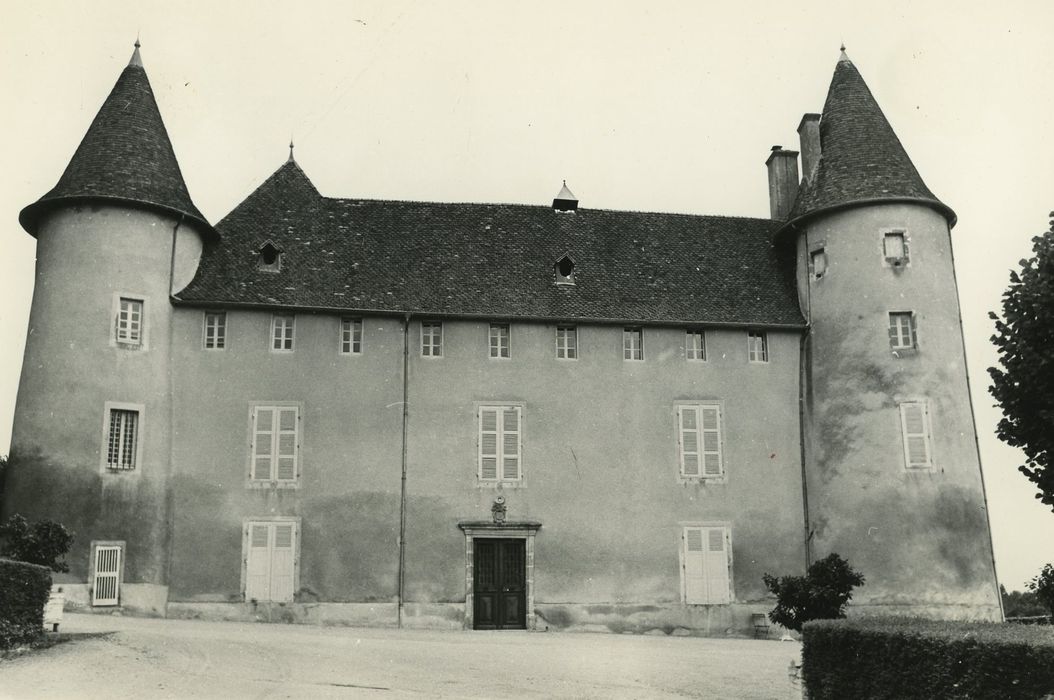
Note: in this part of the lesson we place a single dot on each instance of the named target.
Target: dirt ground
(190, 659)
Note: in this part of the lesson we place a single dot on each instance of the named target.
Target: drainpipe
(169, 513)
(803, 368)
(402, 486)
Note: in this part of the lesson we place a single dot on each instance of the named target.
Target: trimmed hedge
(24, 590)
(911, 658)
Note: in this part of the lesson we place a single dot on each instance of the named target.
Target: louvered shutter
(711, 432)
(286, 443)
(914, 420)
(694, 563)
(263, 442)
(106, 585)
(282, 562)
(510, 443)
(717, 566)
(488, 443)
(258, 562)
(689, 431)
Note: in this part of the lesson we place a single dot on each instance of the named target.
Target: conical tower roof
(125, 156)
(861, 160)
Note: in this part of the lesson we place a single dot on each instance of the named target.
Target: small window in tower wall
(121, 450)
(129, 323)
(695, 345)
(902, 335)
(757, 346)
(895, 248)
(350, 336)
(282, 329)
(818, 263)
(499, 341)
(215, 330)
(632, 344)
(431, 339)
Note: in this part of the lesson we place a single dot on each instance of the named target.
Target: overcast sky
(642, 106)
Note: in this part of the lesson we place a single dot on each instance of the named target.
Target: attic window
(270, 258)
(565, 270)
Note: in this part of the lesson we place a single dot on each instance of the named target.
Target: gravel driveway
(190, 659)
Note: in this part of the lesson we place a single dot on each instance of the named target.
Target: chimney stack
(809, 134)
(783, 181)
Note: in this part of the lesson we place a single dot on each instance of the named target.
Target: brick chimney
(809, 134)
(783, 181)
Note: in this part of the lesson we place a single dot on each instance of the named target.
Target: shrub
(43, 543)
(822, 593)
(1042, 586)
(909, 658)
(24, 590)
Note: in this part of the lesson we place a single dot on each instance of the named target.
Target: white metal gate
(107, 584)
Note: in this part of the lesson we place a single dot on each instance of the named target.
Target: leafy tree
(1021, 603)
(821, 594)
(1024, 385)
(44, 542)
(1043, 586)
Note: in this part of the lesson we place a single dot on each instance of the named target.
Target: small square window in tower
(565, 270)
(895, 248)
(902, 335)
(129, 325)
(818, 263)
(499, 341)
(269, 258)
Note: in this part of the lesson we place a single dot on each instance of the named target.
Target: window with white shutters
(500, 443)
(706, 564)
(902, 330)
(128, 329)
(282, 330)
(214, 332)
(699, 441)
(106, 574)
(695, 345)
(350, 336)
(918, 443)
(270, 560)
(275, 448)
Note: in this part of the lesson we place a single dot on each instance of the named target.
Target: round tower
(91, 437)
(892, 471)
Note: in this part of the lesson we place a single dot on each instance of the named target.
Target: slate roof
(861, 159)
(493, 261)
(126, 155)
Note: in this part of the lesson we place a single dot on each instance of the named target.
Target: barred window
(122, 439)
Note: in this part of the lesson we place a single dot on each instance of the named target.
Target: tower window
(902, 330)
(565, 270)
(895, 248)
(270, 259)
(818, 263)
(121, 449)
(129, 329)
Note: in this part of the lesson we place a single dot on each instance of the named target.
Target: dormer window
(270, 258)
(565, 270)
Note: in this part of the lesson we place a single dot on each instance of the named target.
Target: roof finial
(844, 56)
(291, 159)
(136, 60)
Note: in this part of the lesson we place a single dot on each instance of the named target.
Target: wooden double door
(499, 584)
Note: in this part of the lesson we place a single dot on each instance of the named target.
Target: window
(902, 330)
(757, 346)
(895, 248)
(129, 324)
(282, 326)
(499, 340)
(632, 344)
(269, 553)
(695, 345)
(214, 334)
(107, 561)
(275, 453)
(915, 426)
(500, 439)
(818, 263)
(350, 336)
(431, 339)
(699, 441)
(270, 259)
(121, 446)
(566, 342)
(565, 270)
(706, 558)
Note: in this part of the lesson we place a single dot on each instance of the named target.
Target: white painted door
(107, 583)
(270, 561)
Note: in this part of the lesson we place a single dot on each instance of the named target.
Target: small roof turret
(861, 160)
(125, 156)
(565, 200)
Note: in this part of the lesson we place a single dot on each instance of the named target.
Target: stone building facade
(499, 416)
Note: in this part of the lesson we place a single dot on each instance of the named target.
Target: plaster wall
(919, 536)
(86, 256)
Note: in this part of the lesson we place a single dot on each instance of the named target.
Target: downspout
(803, 368)
(169, 519)
(402, 486)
